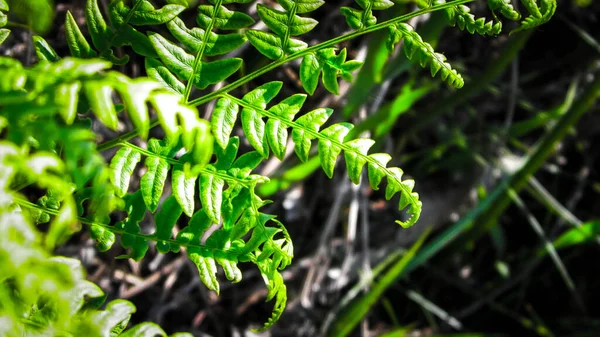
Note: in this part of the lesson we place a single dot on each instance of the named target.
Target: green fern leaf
(532, 8)
(418, 50)
(97, 27)
(266, 43)
(354, 162)
(301, 6)
(153, 181)
(222, 18)
(310, 71)
(363, 18)
(146, 14)
(283, 24)
(78, 45)
(328, 151)
(181, 63)
(232, 271)
(461, 16)
(134, 94)
(100, 33)
(194, 231)
(506, 9)
(252, 123)
(43, 50)
(206, 267)
(276, 132)
(125, 34)
(331, 65)
(156, 70)
(226, 155)
(375, 4)
(245, 163)
(375, 168)
(122, 166)
(331, 144)
(193, 39)
(99, 94)
(310, 124)
(115, 317)
(174, 57)
(254, 129)
(196, 131)
(177, 119)
(223, 120)
(130, 239)
(144, 330)
(358, 19)
(4, 33)
(67, 98)
(105, 239)
(165, 221)
(211, 195)
(216, 71)
(3, 16)
(184, 183)
(547, 7)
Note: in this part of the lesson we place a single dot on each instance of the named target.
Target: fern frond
(538, 15)
(284, 25)
(506, 9)
(461, 16)
(331, 141)
(332, 67)
(418, 50)
(269, 247)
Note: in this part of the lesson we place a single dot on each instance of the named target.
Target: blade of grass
(560, 266)
(434, 309)
(357, 311)
(364, 282)
(575, 236)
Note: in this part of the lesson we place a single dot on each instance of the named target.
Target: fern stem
(17, 24)
(203, 251)
(124, 137)
(290, 20)
(200, 52)
(346, 148)
(175, 162)
(275, 64)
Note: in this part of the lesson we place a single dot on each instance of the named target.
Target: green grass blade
(357, 311)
